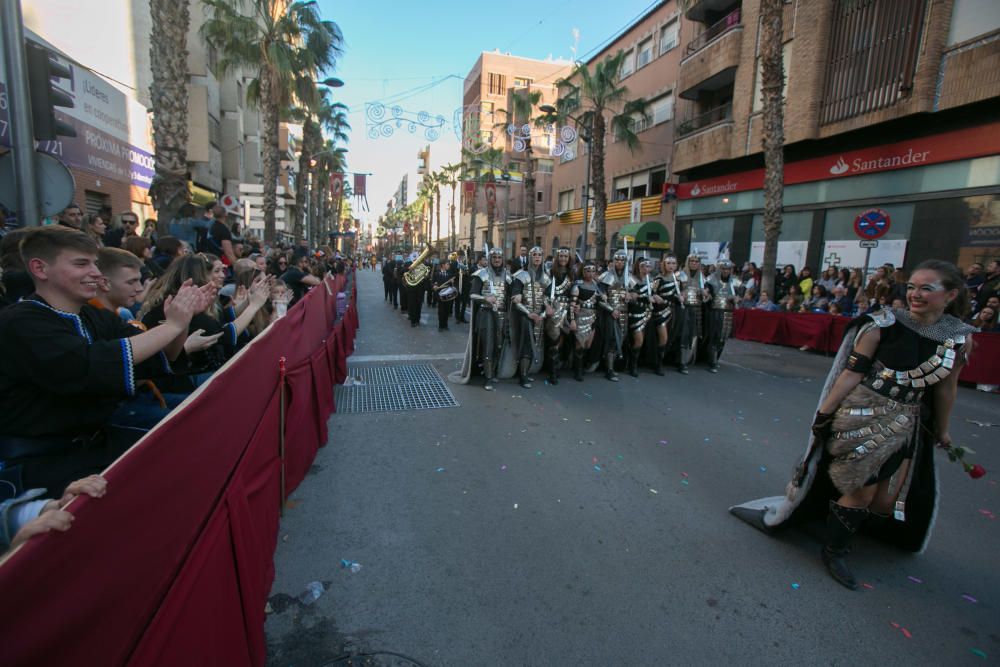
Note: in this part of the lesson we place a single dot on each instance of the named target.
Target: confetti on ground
(538, 453)
(654, 491)
(587, 420)
(976, 651)
(502, 468)
(587, 395)
(597, 468)
(970, 599)
(440, 470)
(684, 474)
(906, 633)
(868, 586)
(707, 439)
(894, 624)
(565, 419)
(515, 505)
(987, 513)
(915, 580)
(795, 586)
(684, 482)
(763, 469)
(663, 442)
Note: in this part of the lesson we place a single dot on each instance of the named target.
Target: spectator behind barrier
(986, 320)
(16, 281)
(168, 248)
(65, 365)
(30, 514)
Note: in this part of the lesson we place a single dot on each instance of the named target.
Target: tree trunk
(772, 85)
(169, 95)
(323, 205)
(437, 196)
(301, 178)
(451, 227)
(316, 221)
(269, 139)
(472, 219)
(597, 183)
(491, 212)
(529, 190)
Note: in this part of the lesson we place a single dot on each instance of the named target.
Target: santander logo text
(860, 164)
(840, 167)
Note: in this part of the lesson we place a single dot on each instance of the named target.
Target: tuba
(418, 270)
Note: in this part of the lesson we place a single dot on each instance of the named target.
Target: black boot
(488, 372)
(713, 360)
(841, 524)
(578, 365)
(610, 372)
(682, 367)
(523, 367)
(553, 353)
(660, 351)
(633, 363)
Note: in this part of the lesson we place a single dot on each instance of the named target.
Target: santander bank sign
(947, 147)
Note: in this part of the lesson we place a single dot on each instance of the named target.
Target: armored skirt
(586, 298)
(885, 420)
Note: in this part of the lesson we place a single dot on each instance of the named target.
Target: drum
(448, 293)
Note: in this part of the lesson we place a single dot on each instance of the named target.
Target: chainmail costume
(584, 299)
(640, 308)
(613, 315)
(528, 289)
(692, 325)
(490, 320)
(557, 296)
(725, 289)
(668, 288)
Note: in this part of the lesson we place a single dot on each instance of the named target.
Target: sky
(405, 52)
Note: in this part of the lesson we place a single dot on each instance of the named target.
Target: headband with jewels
(724, 264)
(621, 255)
(536, 251)
(563, 252)
(496, 252)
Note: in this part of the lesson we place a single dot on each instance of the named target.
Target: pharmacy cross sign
(872, 224)
(833, 259)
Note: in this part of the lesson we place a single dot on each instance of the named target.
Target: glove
(822, 425)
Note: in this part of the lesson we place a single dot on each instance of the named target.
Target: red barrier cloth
(757, 325)
(174, 564)
(984, 364)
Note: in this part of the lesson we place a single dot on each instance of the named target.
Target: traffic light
(43, 66)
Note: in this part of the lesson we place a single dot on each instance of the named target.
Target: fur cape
(807, 495)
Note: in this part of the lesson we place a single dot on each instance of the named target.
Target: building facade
(891, 115)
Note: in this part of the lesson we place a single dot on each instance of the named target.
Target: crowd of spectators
(105, 328)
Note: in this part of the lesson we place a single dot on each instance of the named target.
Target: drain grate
(394, 389)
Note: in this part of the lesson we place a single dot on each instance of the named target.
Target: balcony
(720, 114)
(704, 138)
(711, 59)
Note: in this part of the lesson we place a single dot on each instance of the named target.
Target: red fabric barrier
(174, 564)
(825, 332)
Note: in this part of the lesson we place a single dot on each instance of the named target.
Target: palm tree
(598, 100)
(322, 116)
(169, 94)
(522, 105)
(328, 160)
(451, 175)
(285, 44)
(487, 164)
(438, 178)
(773, 114)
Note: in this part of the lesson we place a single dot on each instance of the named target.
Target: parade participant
(692, 325)
(640, 311)
(528, 313)
(616, 283)
(415, 295)
(886, 402)
(403, 296)
(443, 279)
(584, 298)
(463, 281)
(489, 295)
(557, 297)
(726, 290)
(667, 300)
(389, 281)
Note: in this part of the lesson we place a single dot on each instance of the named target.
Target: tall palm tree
(321, 117)
(773, 114)
(169, 94)
(284, 43)
(438, 178)
(326, 161)
(425, 198)
(451, 175)
(599, 101)
(522, 105)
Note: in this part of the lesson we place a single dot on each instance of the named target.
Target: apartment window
(628, 64)
(565, 200)
(214, 132)
(668, 36)
(637, 185)
(544, 166)
(538, 196)
(640, 123)
(486, 137)
(622, 184)
(521, 82)
(487, 107)
(645, 52)
(662, 109)
(212, 57)
(497, 84)
(657, 177)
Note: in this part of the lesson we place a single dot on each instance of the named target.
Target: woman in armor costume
(558, 297)
(489, 293)
(640, 311)
(886, 402)
(616, 283)
(726, 290)
(667, 300)
(584, 299)
(692, 325)
(528, 313)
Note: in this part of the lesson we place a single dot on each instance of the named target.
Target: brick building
(891, 105)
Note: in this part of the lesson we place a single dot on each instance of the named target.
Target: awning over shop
(200, 195)
(645, 235)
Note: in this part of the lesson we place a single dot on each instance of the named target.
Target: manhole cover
(393, 389)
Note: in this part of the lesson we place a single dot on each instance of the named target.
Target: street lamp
(331, 82)
(585, 134)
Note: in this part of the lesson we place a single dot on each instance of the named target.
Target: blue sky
(392, 48)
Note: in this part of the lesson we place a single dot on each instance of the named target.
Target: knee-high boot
(523, 366)
(713, 359)
(660, 351)
(488, 372)
(610, 374)
(578, 364)
(841, 524)
(553, 354)
(682, 367)
(633, 363)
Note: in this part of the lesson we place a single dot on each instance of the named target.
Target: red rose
(977, 471)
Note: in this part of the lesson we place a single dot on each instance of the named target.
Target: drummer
(443, 287)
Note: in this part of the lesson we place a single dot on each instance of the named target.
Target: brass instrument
(418, 271)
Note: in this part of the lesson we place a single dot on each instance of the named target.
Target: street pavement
(587, 524)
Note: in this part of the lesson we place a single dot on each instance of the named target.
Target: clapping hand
(181, 307)
(198, 341)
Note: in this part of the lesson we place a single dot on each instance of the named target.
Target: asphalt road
(587, 524)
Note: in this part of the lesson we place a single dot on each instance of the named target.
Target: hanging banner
(336, 185)
(469, 195)
(491, 196)
(359, 185)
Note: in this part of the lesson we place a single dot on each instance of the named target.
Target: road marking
(405, 357)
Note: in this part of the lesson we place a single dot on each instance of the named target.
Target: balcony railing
(710, 117)
(730, 21)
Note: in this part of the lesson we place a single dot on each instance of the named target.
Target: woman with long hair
(95, 227)
(667, 300)
(886, 403)
(558, 297)
(584, 297)
(784, 281)
(640, 311)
